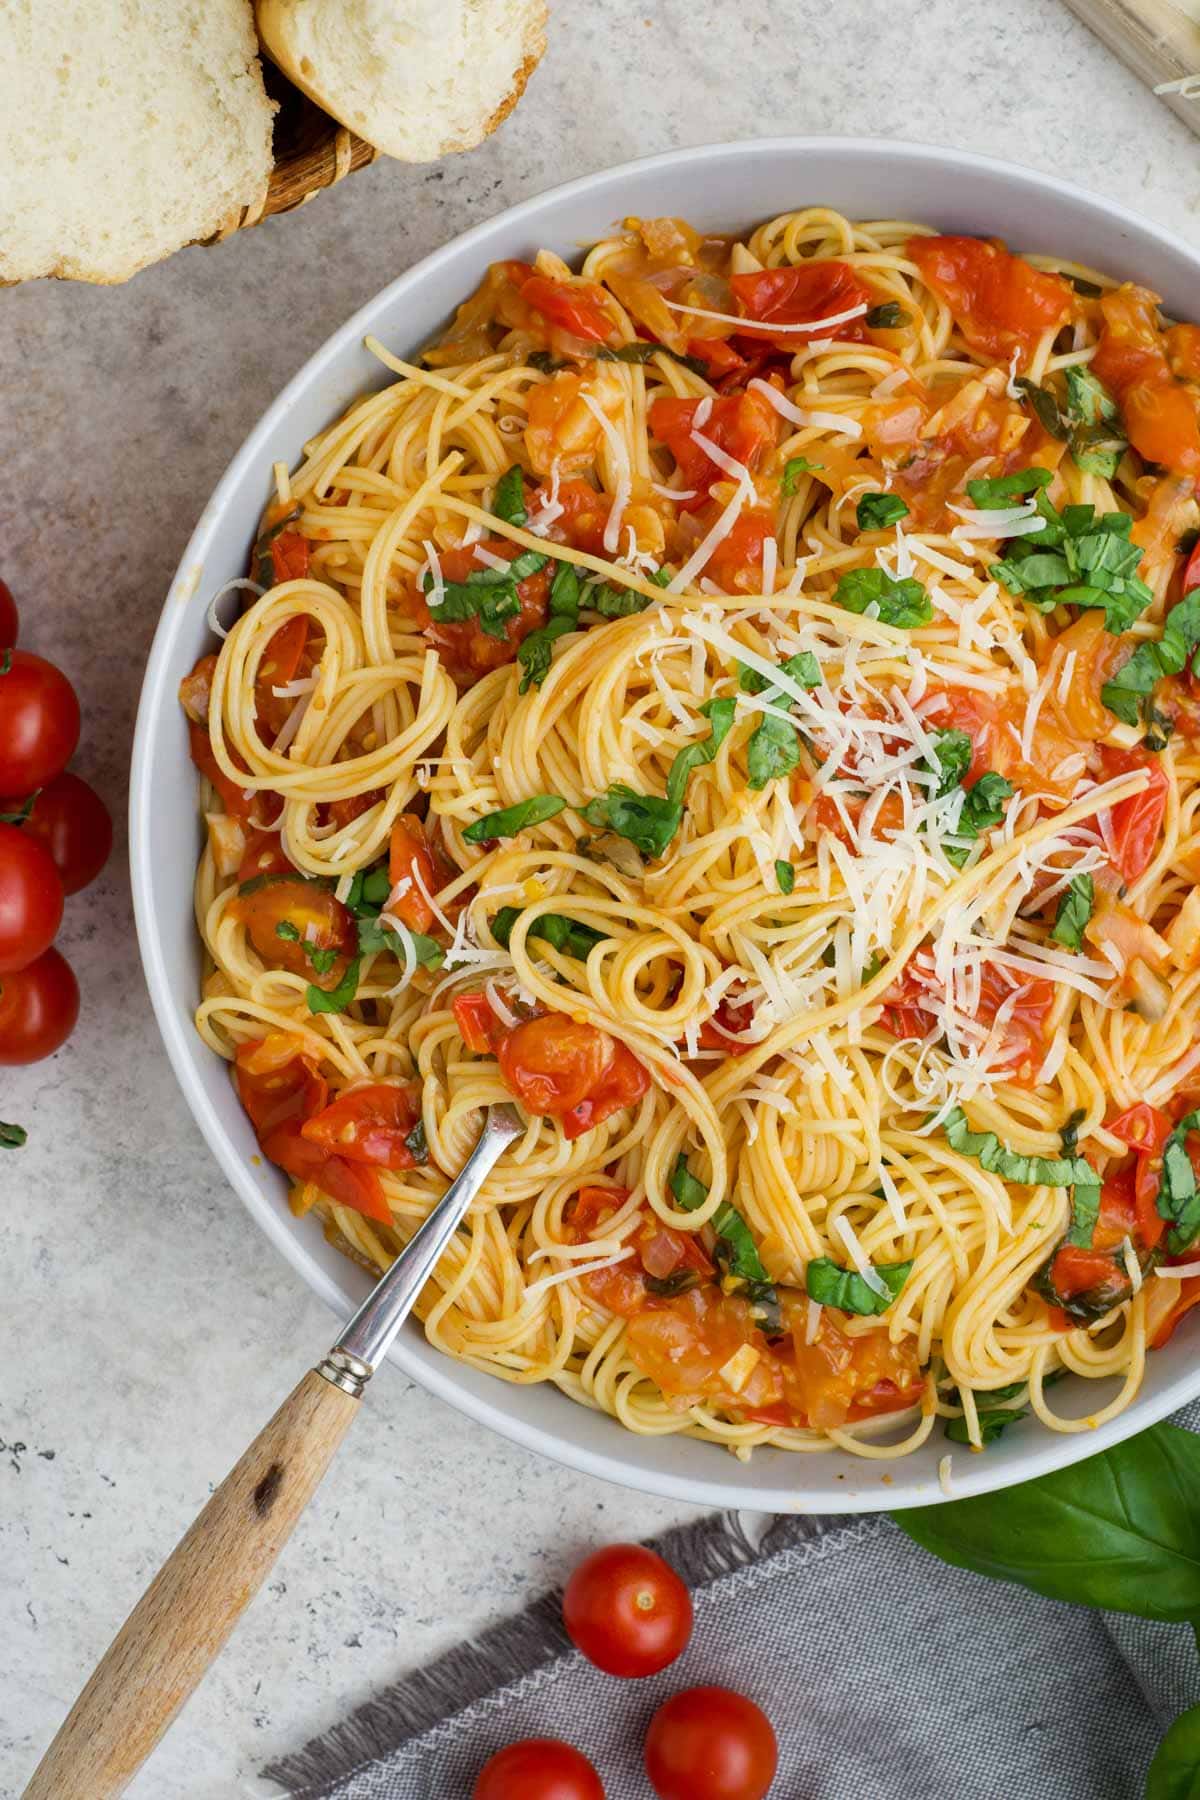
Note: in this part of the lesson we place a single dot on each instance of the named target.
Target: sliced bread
(416, 78)
(127, 128)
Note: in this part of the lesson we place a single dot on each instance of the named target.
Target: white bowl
(721, 186)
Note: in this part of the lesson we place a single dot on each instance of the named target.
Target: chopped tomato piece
(592, 1204)
(622, 1084)
(340, 813)
(550, 1063)
(1079, 1271)
(355, 1185)
(1183, 351)
(839, 1376)
(579, 307)
(745, 426)
(415, 866)
(477, 1023)
(563, 429)
(1023, 1045)
(810, 293)
(729, 1016)
(1158, 411)
(1000, 302)
(466, 649)
(719, 357)
(313, 918)
(277, 1080)
(1145, 1129)
(1136, 822)
(289, 557)
(736, 565)
(369, 1125)
(979, 715)
(280, 663)
(1095, 654)
(237, 802)
(264, 855)
(583, 517)
(684, 1344)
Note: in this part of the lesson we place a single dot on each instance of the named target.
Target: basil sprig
(1013, 1165)
(1137, 679)
(1074, 910)
(903, 603)
(875, 512)
(554, 929)
(736, 1250)
(12, 1137)
(1078, 559)
(831, 1285)
(511, 819)
(646, 820)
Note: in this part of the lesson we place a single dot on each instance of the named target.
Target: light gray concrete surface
(146, 1329)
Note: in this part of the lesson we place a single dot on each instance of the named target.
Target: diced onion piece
(227, 841)
(741, 1365)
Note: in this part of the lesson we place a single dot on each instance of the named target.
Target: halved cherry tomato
(314, 918)
(369, 1125)
(264, 855)
(1076, 1270)
(999, 301)
(39, 721)
(627, 1610)
(745, 426)
(1159, 413)
(355, 1185)
(579, 307)
(478, 1026)
(538, 1769)
(412, 860)
(622, 1084)
(736, 565)
(31, 899)
(1024, 1044)
(289, 560)
(593, 1204)
(466, 649)
(280, 663)
(1136, 822)
(71, 820)
(551, 1063)
(1095, 655)
(709, 1743)
(238, 802)
(807, 294)
(9, 620)
(718, 356)
(277, 1080)
(38, 1009)
(837, 1377)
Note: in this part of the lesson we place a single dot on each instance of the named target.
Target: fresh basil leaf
(1178, 1198)
(1085, 1211)
(12, 1137)
(508, 500)
(1097, 450)
(901, 603)
(648, 822)
(875, 512)
(992, 1421)
(1074, 910)
(1137, 678)
(953, 750)
(667, 1286)
(1160, 727)
(1013, 1165)
(785, 875)
(555, 929)
(387, 937)
(336, 999)
(1069, 1135)
(1045, 407)
(263, 561)
(1026, 574)
(773, 751)
(641, 352)
(1118, 1531)
(535, 652)
(23, 811)
(1088, 399)
(982, 807)
(289, 932)
(376, 886)
(417, 1144)
(1174, 1773)
(802, 668)
(320, 960)
(510, 819)
(846, 1289)
(740, 1256)
(530, 562)
(719, 714)
(615, 603)
(994, 493)
(793, 469)
(888, 317)
(687, 1188)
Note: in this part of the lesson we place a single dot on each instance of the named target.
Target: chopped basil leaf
(785, 875)
(719, 714)
(648, 822)
(1046, 408)
(875, 512)
(888, 317)
(739, 1254)
(803, 668)
(489, 595)
(264, 562)
(1138, 678)
(1069, 1135)
(773, 751)
(1160, 727)
(376, 886)
(511, 819)
(953, 750)
(615, 603)
(417, 1144)
(508, 501)
(556, 929)
(1078, 559)
(1013, 1165)
(1096, 443)
(23, 811)
(982, 807)
(687, 1188)
(997, 491)
(793, 469)
(1178, 1195)
(535, 651)
(829, 1285)
(667, 1286)
(337, 999)
(320, 960)
(902, 603)
(1090, 1304)
(544, 363)
(1074, 911)
(377, 935)
(641, 352)
(992, 1421)
(12, 1137)
(1085, 1210)
(1088, 289)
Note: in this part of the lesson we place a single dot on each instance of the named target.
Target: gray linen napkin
(887, 1674)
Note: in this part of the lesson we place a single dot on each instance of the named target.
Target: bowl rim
(433, 1370)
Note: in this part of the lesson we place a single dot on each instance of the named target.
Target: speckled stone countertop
(147, 1329)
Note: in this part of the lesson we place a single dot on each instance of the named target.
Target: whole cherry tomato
(627, 1610)
(39, 721)
(538, 1769)
(8, 617)
(71, 820)
(709, 1743)
(31, 899)
(38, 1009)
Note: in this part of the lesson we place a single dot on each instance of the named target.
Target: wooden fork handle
(184, 1617)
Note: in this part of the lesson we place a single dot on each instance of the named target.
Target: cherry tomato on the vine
(627, 1610)
(39, 721)
(38, 1009)
(9, 619)
(71, 820)
(538, 1769)
(709, 1743)
(31, 899)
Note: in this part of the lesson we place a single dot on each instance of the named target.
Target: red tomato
(719, 357)
(9, 620)
(1183, 351)
(1189, 1296)
(1025, 1043)
(477, 1024)
(289, 559)
(277, 1080)
(31, 899)
(808, 294)
(355, 1185)
(579, 307)
(263, 855)
(538, 1769)
(1000, 302)
(583, 518)
(280, 664)
(466, 649)
(314, 920)
(369, 1125)
(736, 564)
(627, 1610)
(71, 820)
(729, 1016)
(709, 1743)
(39, 721)
(413, 862)
(979, 715)
(1158, 412)
(1076, 1270)
(238, 801)
(1145, 1129)
(1136, 822)
(622, 1084)
(745, 426)
(837, 1377)
(550, 1063)
(38, 1009)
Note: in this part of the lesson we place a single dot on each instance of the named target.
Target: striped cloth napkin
(888, 1676)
